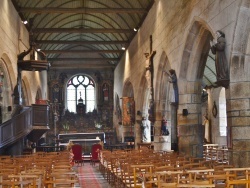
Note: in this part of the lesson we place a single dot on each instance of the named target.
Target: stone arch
(162, 86)
(131, 129)
(6, 101)
(142, 90)
(164, 109)
(12, 75)
(38, 94)
(196, 49)
(142, 105)
(26, 92)
(240, 66)
(128, 90)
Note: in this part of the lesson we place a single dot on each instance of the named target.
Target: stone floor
(102, 182)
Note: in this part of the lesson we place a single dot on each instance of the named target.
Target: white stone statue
(145, 127)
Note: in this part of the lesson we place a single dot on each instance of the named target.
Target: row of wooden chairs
(216, 153)
(37, 171)
(147, 168)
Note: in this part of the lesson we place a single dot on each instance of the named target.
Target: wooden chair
(127, 175)
(241, 176)
(196, 185)
(95, 150)
(31, 179)
(16, 184)
(168, 179)
(77, 151)
(139, 172)
(199, 176)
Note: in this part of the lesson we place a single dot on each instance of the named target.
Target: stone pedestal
(162, 143)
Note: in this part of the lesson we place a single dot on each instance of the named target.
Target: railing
(16, 128)
(32, 122)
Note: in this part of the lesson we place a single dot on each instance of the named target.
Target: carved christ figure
(148, 70)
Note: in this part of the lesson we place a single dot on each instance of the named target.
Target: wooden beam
(81, 51)
(81, 30)
(79, 42)
(84, 59)
(82, 10)
(73, 66)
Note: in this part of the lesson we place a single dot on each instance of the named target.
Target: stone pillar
(189, 127)
(238, 114)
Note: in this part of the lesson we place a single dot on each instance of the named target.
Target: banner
(128, 111)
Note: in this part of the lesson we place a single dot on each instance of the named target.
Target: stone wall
(14, 39)
(181, 31)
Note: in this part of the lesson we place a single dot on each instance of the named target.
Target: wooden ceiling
(83, 34)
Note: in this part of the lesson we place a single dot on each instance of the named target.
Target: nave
(143, 167)
(48, 169)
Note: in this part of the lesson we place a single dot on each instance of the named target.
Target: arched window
(80, 87)
(222, 113)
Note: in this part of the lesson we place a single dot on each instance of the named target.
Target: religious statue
(145, 127)
(148, 70)
(173, 80)
(218, 48)
(207, 129)
(164, 129)
(105, 92)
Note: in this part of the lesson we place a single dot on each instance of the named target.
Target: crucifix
(149, 67)
(149, 76)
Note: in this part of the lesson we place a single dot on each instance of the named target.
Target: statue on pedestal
(221, 64)
(145, 129)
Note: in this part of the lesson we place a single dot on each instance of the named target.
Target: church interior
(140, 83)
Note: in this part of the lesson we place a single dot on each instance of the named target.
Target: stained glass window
(80, 86)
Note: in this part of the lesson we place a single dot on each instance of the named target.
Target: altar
(84, 139)
(86, 144)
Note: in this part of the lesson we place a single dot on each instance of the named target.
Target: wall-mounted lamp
(123, 48)
(184, 112)
(25, 22)
(136, 29)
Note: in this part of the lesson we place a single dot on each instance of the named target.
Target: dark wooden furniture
(95, 150)
(148, 145)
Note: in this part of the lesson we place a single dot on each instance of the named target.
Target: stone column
(238, 122)
(190, 130)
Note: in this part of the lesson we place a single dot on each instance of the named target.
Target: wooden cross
(149, 66)
(149, 76)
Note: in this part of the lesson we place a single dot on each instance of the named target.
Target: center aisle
(91, 177)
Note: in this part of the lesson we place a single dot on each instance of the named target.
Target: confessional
(95, 153)
(78, 154)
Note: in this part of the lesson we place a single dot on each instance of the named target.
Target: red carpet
(89, 176)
